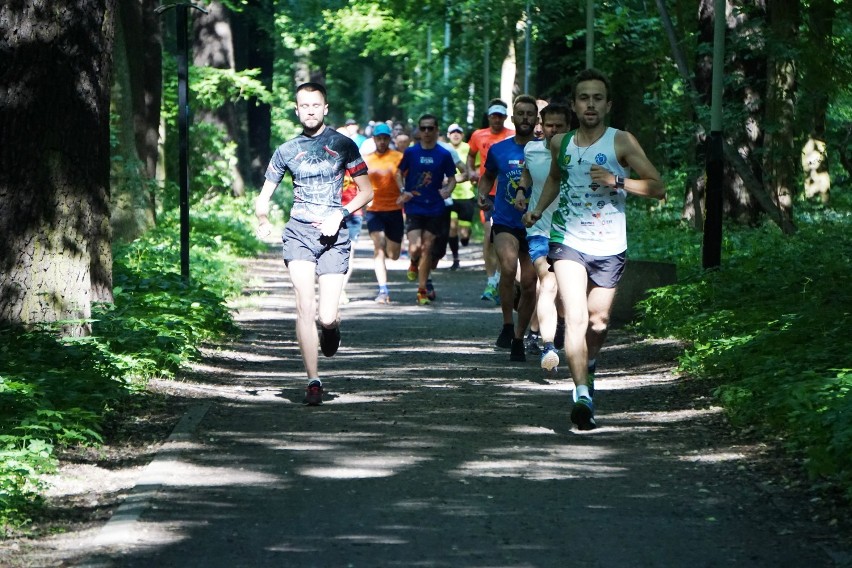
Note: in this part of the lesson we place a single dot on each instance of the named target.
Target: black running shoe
(583, 414)
(313, 393)
(329, 340)
(507, 334)
(518, 351)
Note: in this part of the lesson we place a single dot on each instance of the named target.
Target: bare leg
(526, 306)
(506, 248)
(573, 280)
(546, 304)
(302, 275)
(600, 303)
(379, 244)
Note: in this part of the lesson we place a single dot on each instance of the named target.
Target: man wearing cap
(480, 141)
(384, 214)
(464, 197)
(504, 165)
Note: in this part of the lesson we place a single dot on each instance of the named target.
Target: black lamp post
(183, 127)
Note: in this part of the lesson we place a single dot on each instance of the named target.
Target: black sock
(454, 246)
(464, 241)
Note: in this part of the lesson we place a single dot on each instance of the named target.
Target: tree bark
(780, 151)
(55, 66)
(213, 46)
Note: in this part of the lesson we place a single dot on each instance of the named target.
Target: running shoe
(455, 265)
(549, 358)
(430, 290)
(531, 344)
(559, 337)
(518, 352)
(583, 414)
(507, 335)
(383, 298)
(329, 340)
(423, 297)
(412, 272)
(490, 293)
(313, 393)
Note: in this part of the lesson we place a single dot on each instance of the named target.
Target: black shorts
(390, 223)
(464, 208)
(603, 271)
(304, 241)
(519, 234)
(430, 223)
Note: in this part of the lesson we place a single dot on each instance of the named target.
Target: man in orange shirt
(480, 141)
(384, 214)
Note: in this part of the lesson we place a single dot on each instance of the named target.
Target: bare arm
(483, 188)
(261, 209)
(551, 185)
(472, 173)
(648, 183)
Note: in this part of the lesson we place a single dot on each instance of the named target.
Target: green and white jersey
(590, 217)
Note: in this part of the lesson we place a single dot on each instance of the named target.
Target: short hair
(313, 87)
(591, 74)
(556, 108)
(525, 99)
(427, 116)
(493, 102)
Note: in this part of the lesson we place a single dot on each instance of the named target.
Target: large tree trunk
(780, 153)
(818, 83)
(55, 65)
(213, 46)
(137, 88)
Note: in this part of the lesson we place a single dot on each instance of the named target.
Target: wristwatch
(619, 182)
(345, 212)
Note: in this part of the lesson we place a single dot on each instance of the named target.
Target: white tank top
(590, 217)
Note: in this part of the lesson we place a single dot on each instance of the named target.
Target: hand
(264, 229)
(331, 224)
(404, 197)
(602, 176)
(483, 202)
(445, 191)
(521, 202)
(530, 218)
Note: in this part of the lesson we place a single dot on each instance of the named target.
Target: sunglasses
(428, 128)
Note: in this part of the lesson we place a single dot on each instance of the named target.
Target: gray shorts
(603, 271)
(303, 241)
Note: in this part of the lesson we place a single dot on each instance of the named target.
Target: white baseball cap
(498, 109)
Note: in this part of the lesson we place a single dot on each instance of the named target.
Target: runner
(384, 214)
(464, 198)
(504, 164)
(590, 173)
(316, 241)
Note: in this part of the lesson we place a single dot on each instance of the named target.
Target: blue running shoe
(583, 414)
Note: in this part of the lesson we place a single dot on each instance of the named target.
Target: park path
(433, 450)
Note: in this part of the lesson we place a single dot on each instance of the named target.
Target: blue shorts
(539, 246)
(603, 271)
(390, 223)
(353, 223)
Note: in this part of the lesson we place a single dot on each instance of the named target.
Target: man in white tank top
(590, 174)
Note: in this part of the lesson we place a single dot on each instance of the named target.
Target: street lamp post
(183, 126)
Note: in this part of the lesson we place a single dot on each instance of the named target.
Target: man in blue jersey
(422, 172)
(504, 164)
(316, 240)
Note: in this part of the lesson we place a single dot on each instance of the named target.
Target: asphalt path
(433, 450)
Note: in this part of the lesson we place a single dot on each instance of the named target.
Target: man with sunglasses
(421, 174)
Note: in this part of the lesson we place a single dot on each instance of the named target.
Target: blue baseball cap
(381, 129)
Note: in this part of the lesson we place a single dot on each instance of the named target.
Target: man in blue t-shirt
(504, 164)
(422, 173)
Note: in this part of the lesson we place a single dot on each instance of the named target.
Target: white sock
(316, 379)
(582, 390)
(495, 279)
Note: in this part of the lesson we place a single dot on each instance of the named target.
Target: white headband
(498, 109)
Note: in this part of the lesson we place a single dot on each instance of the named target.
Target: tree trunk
(818, 83)
(55, 66)
(213, 46)
(780, 153)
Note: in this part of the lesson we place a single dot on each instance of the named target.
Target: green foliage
(58, 391)
(771, 330)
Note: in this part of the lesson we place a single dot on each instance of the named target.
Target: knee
(599, 324)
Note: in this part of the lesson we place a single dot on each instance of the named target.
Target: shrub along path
(432, 449)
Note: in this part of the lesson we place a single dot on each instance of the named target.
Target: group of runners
(555, 242)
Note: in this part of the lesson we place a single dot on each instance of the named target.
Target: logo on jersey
(426, 160)
(600, 159)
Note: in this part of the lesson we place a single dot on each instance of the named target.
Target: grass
(769, 329)
(61, 391)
